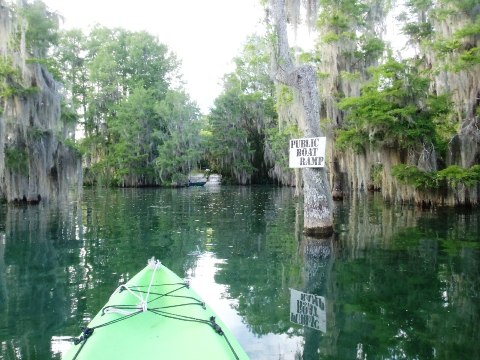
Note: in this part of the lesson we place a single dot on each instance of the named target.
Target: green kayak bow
(155, 315)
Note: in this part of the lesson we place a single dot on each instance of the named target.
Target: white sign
(307, 152)
(308, 310)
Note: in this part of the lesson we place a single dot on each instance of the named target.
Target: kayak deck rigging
(158, 299)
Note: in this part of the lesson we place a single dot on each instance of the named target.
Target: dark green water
(398, 283)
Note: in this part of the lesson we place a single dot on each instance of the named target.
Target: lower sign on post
(307, 152)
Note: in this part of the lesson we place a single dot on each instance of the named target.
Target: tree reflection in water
(398, 283)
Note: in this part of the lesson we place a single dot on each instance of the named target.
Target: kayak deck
(156, 315)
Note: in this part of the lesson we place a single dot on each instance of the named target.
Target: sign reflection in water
(308, 310)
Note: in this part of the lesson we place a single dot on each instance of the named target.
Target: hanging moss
(284, 95)
(35, 133)
(277, 138)
(465, 6)
(34, 164)
(376, 176)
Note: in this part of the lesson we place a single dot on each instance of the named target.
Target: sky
(205, 35)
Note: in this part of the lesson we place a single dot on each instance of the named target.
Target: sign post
(307, 152)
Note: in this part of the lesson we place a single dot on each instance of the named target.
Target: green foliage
(395, 109)
(350, 76)
(42, 29)
(350, 27)
(9, 77)
(411, 175)
(35, 133)
(418, 31)
(468, 59)
(284, 95)
(447, 46)
(322, 75)
(422, 5)
(376, 175)
(453, 175)
(242, 115)
(116, 82)
(49, 63)
(70, 56)
(470, 29)
(68, 115)
(332, 37)
(7, 70)
(370, 47)
(230, 153)
(337, 21)
(466, 6)
(181, 146)
(74, 146)
(458, 51)
(351, 138)
(10, 81)
(340, 15)
(16, 160)
(308, 57)
(277, 139)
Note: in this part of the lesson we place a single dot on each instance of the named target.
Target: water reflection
(397, 283)
(390, 287)
(34, 255)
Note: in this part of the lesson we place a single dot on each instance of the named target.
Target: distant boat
(196, 182)
(214, 179)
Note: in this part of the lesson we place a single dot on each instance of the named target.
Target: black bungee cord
(88, 331)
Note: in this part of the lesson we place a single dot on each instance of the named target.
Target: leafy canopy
(395, 109)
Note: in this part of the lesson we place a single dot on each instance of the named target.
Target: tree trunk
(318, 219)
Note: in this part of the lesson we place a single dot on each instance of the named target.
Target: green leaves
(181, 144)
(16, 160)
(411, 175)
(241, 117)
(11, 82)
(395, 109)
(454, 47)
(9, 78)
(453, 175)
(118, 86)
(42, 29)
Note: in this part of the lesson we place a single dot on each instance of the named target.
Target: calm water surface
(398, 283)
